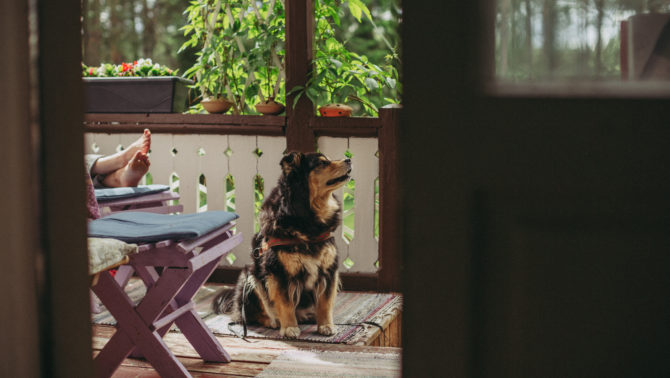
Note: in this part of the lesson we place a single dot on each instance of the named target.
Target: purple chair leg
(133, 324)
(190, 324)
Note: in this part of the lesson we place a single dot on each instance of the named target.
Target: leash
(244, 317)
(272, 242)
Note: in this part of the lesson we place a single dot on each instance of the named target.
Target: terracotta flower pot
(270, 107)
(335, 110)
(216, 105)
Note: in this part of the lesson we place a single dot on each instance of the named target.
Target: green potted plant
(266, 57)
(141, 86)
(335, 82)
(269, 77)
(241, 43)
(241, 57)
(212, 83)
(214, 72)
(340, 77)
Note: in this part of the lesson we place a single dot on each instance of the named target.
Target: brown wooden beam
(345, 133)
(346, 123)
(362, 127)
(177, 118)
(390, 232)
(299, 53)
(184, 129)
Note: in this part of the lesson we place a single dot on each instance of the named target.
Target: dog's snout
(348, 161)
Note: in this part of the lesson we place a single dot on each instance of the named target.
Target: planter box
(136, 94)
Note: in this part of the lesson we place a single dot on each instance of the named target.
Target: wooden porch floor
(251, 358)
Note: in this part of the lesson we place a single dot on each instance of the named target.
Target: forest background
(115, 31)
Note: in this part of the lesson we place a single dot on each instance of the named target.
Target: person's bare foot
(131, 174)
(136, 168)
(142, 144)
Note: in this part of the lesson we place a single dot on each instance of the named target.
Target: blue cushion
(142, 227)
(108, 194)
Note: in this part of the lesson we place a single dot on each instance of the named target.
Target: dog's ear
(290, 161)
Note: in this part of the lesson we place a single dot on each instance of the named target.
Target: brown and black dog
(294, 275)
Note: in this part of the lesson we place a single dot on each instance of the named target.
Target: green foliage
(241, 56)
(340, 75)
(240, 50)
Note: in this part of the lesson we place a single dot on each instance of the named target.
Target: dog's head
(304, 199)
(321, 174)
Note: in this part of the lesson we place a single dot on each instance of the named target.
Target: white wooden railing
(197, 166)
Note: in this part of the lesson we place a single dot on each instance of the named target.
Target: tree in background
(563, 39)
(114, 31)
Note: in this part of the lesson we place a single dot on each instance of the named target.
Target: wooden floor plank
(140, 372)
(193, 365)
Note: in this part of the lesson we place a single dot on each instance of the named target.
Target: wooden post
(390, 235)
(299, 52)
(66, 334)
(20, 229)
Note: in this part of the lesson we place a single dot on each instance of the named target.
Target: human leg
(111, 163)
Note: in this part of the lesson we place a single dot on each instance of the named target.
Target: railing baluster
(162, 164)
(334, 148)
(268, 164)
(214, 165)
(243, 169)
(363, 248)
(186, 164)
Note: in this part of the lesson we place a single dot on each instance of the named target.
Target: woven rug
(354, 315)
(301, 363)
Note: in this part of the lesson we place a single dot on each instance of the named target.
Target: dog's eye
(325, 162)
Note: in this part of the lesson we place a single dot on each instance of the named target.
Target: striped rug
(355, 314)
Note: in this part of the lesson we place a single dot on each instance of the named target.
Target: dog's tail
(229, 300)
(223, 302)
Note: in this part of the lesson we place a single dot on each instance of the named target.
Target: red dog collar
(272, 241)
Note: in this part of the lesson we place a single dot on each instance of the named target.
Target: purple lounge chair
(148, 198)
(187, 248)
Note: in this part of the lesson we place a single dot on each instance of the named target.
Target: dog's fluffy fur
(288, 284)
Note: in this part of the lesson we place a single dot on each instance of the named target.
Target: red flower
(134, 63)
(90, 71)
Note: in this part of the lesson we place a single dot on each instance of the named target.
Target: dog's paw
(270, 323)
(327, 329)
(290, 332)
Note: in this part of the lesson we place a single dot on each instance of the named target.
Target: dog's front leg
(285, 309)
(324, 308)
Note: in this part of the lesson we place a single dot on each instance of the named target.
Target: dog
(294, 277)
